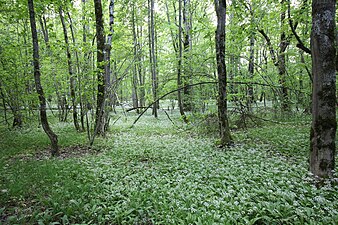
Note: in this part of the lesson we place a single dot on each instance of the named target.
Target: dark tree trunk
(70, 71)
(179, 66)
(220, 6)
(250, 94)
(101, 81)
(152, 54)
(43, 114)
(135, 70)
(324, 124)
(187, 101)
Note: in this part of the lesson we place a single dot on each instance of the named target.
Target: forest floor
(157, 172)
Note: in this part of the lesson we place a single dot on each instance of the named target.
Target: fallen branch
(200, 83)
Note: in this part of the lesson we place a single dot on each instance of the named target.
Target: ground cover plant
(157, 172)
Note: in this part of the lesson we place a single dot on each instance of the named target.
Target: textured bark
(101, 81)
(109, 89)
(220, 6)
(70, 71)
(324, 124)
(43, 114)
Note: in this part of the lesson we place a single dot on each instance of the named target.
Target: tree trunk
(220, 6)
(61, 107)
(250, 94)
(109, 87)
(101, 81)
(78, 74)
(135, 70)
(152, 53)
(324, 124)
(70, 71)
(179, 66)
(187, 101)
(285, 103)
(43, 114)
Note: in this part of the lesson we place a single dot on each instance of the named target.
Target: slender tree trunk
(285, 101)
(110, 90)
(135, 70)
(43, 114)
(179, 66)
(250, 95)
(324, 124)
(61, 107)
(78, 72)
(70, 71)
(101, 81)
(187, 101)
(220, 6)
(140, 68)
(152, 53)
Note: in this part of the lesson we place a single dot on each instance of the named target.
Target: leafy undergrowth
(158, 173)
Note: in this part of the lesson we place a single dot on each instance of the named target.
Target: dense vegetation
(168, 112)
(160, 173)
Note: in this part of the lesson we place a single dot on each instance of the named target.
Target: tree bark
(43, 114)
(285, 103)
(179, 62)
(135, 70)
(220, 6)
(152, 54)
(187, 101)
(101, 81)
(324, 124)
(250, 94)
(70, 71)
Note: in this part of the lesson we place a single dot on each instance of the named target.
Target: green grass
(158, 173)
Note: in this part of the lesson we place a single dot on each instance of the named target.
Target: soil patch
(74, 151)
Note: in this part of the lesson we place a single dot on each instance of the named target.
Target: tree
(324, 124)
(152, 55)
(179, 61)
(101, 80)
(43, 114)
(224, 129)
(70, 71)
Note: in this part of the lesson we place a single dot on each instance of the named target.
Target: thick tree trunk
(43, 114)
(70, 71)
(324, 124)
(220, 6)
(101, 81)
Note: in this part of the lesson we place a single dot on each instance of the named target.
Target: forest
(168, 112)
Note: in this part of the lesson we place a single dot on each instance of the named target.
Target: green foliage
(156, 173)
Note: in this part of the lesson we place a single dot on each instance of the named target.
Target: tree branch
(268, 41)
